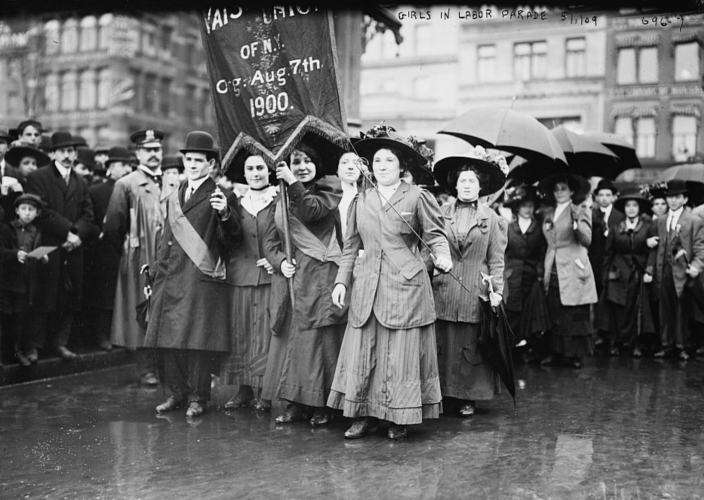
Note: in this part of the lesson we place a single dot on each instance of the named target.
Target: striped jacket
(483, 252)
(390, 278)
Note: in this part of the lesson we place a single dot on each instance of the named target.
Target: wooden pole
(287, 237)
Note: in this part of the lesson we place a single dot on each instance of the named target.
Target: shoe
(195, 409)
(700, 351)
(683, 355)
(262, 405)
(170, 404)
(575, 363)
(615, 351)
(65, 353)
(548, 360)
(32, 355)
(22, 359)
(293, 413)
(362, 427)
(468, 409)
(637, 353)
(106, 345)
(662, 353)
(149, 380)
(241, 399)
(397, 432)
(320, 417)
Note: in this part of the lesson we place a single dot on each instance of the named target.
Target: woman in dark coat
(477, 237)
(249, 280)
(307, 337)
(523, 271)
(624, 305)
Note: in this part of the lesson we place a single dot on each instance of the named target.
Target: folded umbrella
(625, 150)
(587, 156)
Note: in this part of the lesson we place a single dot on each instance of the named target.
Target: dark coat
(66, 208)
(102, 260)
(15, 276)
(524, 263)
(189, 309)
(600, 232)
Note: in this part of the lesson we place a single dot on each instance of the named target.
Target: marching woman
(568, 279)
(523, 273)
(249, 277)
(307, 337)
(477, 238)
(387, 367)
(625, 304)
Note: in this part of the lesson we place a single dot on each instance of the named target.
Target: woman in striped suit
(478, 243)
(249, 277)
(387, 368)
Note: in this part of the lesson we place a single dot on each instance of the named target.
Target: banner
(273, 78)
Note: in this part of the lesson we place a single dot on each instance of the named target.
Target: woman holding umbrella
(624, 305)
(477, 237)
(568, 279)
(387, 367)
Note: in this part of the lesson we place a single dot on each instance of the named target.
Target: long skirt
(309, 366)
(464, 372)
(625, 322)
(388, 374)
(250, 336)
(571, 325)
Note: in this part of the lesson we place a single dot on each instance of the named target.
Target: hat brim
(645, 205)
(495, 177)
(69, 144)
(213, 152)
(410, 158)
(577, 184)
(114, 159)
(14, 156)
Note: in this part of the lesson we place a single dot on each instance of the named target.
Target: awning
(686, 36)
(637, 39)
(383, 16)
(634, 112)
(685, 109)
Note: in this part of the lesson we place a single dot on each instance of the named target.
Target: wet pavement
(617, 429)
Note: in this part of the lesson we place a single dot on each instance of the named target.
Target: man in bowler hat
(604, 216)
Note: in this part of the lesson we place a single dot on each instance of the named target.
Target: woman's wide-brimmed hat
(519, 193)
(577, 184)
(382, 136)
(494, 169)
(635, 195)
(15, 154)
(200, 142)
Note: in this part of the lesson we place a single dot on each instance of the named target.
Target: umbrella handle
(486, 278)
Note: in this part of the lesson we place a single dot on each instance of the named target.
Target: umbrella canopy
(587, 156)
(693, 174)
(624, 149)
(533, 171)
(508, 130)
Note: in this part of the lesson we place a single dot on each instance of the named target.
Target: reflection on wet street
(618, 429)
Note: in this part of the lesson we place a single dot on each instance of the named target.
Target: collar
(194, 185)
(524, 224)
(675, 214)
(151, 173)
(62, 170)
(606, 211)
(561, 208)
(462, 203)
(631, 225)
(255, 201)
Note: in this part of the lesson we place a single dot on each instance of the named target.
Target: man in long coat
(133, 226)
(65, 222)
(188, 319)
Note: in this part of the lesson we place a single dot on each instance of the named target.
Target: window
(686, 61)
(86, 95)
(422, 87)
(149, 39)
(424, 42)
(165, 40)
(529, 60)
(69, 92)
(104, 88)
(51, 32)
(165, 97)
(149, 94)
(14, 103)
(89, 34)
(190, 110)
(104, 35)
(684, 137)
(575, 57)
(51, 93)
(645, 137)
(486, 63)
(624, 128)
(69, 37)
(637, 65)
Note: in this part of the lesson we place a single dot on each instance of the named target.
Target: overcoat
(66, 208)
(601, 228)
(689, 233)
(133, 227)
(567, 250)
(15, 276)
(189, 309)
(390, 277)
(525, 258)
(315, 206)
(482, 252)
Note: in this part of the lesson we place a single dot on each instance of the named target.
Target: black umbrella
(496, 340)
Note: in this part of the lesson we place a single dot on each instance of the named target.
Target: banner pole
(287, 236)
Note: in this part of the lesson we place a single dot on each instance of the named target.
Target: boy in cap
(18, 276)
(65, 222)
(188, 313)
(677, 254)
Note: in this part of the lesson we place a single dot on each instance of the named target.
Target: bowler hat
(62, 140)
(172, 161)
(606, 184)
(80, 140)
(86, 157)
(200, 142)
(476, 159)
(632, 194)
(118, 153)
(577, 184)
(143, 137)
(675, 187)
(45, 143)
(101, 148)
(30, 198)
(15, 154)
(5, 135)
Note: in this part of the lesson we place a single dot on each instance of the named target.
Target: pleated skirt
(387, 374)
(250, 336)
(464, 372)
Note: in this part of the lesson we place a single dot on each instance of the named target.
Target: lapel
(146, 183)
(480, 218)
(200, 194)
(73, 182)
(449, 214)
(396, 198)
(58, 180)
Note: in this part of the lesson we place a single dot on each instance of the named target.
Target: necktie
(189, 192)
(68, 177)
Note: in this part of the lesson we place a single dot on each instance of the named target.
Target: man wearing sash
(188, 313)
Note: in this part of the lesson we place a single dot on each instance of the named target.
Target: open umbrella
(587, 156)
(508, 130)
(692, 174)
(533, 171)
(625, 150)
